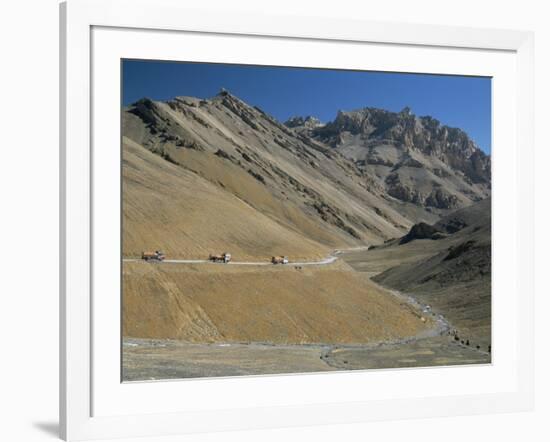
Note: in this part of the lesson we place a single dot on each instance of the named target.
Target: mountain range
(221, 173)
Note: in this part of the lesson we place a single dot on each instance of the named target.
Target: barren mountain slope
(170, 208)
(301, 184)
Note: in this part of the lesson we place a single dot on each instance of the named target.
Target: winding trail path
(328, 260)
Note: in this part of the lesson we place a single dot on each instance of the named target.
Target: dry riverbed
(164, 359)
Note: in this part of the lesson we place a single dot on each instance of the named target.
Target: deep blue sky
(456, 101)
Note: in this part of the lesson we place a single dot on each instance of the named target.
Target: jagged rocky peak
(235, 104)
(406, 131)
(370, 121)
(144, 103)
(187, 101)
(146, 109)
(224, 92)
(404, 128)
(308, 122)
(224, 95)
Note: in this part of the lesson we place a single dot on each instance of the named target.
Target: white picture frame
(91, 405)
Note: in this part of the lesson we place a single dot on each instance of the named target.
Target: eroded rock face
(437, 198)
(422, 231)
(442, 200)
(405, 193)
(408, 131)
(416, 159)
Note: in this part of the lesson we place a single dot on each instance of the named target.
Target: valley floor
(148, 359)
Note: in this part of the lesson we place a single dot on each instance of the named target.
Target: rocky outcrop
(437, 198)
(421, 231)
(407, 131)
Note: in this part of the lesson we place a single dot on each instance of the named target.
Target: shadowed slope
(453, 273)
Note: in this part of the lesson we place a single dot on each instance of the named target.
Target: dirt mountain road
(328, 260)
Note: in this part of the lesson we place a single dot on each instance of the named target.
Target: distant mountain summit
(370, 126)
(416, 159)
(308, 122)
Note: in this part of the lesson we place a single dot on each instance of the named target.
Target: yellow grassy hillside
(217, 303)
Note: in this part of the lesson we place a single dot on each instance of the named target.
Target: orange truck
(157, 255)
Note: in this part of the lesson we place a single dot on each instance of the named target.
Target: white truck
(224, 257)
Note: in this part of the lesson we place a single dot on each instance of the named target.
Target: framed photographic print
(279, 221)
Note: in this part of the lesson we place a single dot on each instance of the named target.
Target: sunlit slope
(168, 207)
(302, 184)
(217, 303)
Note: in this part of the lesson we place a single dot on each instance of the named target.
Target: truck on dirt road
(279, 260)
(157, 255)
(224, 257)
